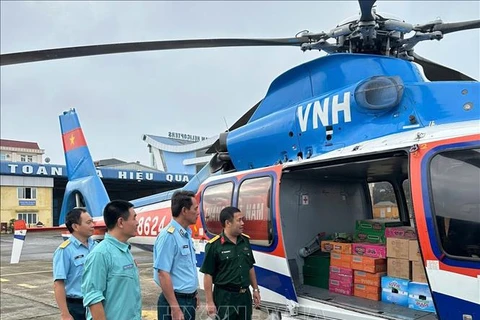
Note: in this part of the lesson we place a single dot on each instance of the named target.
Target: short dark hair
(227, 214)
(73, 216)
(181, 199)
(114, 210)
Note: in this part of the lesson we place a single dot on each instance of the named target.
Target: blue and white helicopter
(300, 163)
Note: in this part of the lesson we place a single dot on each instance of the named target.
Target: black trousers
(76, 309)
(187, 304)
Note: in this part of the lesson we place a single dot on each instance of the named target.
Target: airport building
(33, 191)
(179, 152)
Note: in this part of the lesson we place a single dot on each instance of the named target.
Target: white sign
(305, 199)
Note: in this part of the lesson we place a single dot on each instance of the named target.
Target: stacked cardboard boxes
(341, 274)
(398, 251)
(373, 230)
(418, 269)
(369, 257)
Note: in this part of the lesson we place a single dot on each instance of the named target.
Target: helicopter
(300, 161)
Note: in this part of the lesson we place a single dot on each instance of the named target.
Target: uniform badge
(78, 257)
(128, 266)
(185, 246)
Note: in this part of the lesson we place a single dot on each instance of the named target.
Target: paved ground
(27, 287)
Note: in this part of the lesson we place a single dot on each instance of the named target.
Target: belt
(186, 295)
(232, 288)
(75, 300)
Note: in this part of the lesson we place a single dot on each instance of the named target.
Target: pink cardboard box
(343, 275)
(400, 232)
(369, 250)
(340, 287)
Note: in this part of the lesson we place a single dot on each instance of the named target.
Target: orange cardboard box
(338, 247)
(368, 264)
(367, 292)
(367, 278)
(341, 260)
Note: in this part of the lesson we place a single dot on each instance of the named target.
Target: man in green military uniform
(228, 264)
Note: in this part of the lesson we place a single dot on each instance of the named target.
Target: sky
(120, 97)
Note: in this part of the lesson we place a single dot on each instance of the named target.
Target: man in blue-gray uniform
(174, 261)
(68, 261)
(111, 284)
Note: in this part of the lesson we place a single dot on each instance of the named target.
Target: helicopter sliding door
(445, 182)
(255, 193)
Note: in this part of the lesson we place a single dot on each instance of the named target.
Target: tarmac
(27, 287)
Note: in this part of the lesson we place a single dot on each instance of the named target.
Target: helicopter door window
(455, 190)
(215, 198)
(254, 199)
(383, 200)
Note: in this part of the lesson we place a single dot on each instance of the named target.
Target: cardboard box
(377, 225)
(340, 287)
(390, 295)
(374, 237)
(342, 275)
(418, 272)
(401, 232)
(367, 292)
(414, 251)
(369, 250)
(368, 264)
(367, 278)
(341, 260)
(395, 291)
(399, 268)
(342, 271)
(398, 248)
(338, 247)
(420, 297)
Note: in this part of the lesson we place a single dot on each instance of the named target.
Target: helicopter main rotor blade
(435, 72)
(457, 26)
(82, 51)
(366, 9)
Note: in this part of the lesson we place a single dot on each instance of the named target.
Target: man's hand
(177, 313)
(256, 298)
(67, 316)
(211, 309)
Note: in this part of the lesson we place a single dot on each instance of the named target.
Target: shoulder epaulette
(64, 244)
(214, 239)
(246, 235)
(171, 229)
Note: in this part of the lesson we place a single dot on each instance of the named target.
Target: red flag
(73, 139)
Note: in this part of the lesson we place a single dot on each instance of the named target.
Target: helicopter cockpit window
(254, 199)
(455, 186)
(215, 198)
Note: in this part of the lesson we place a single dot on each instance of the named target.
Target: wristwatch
(256, 289)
